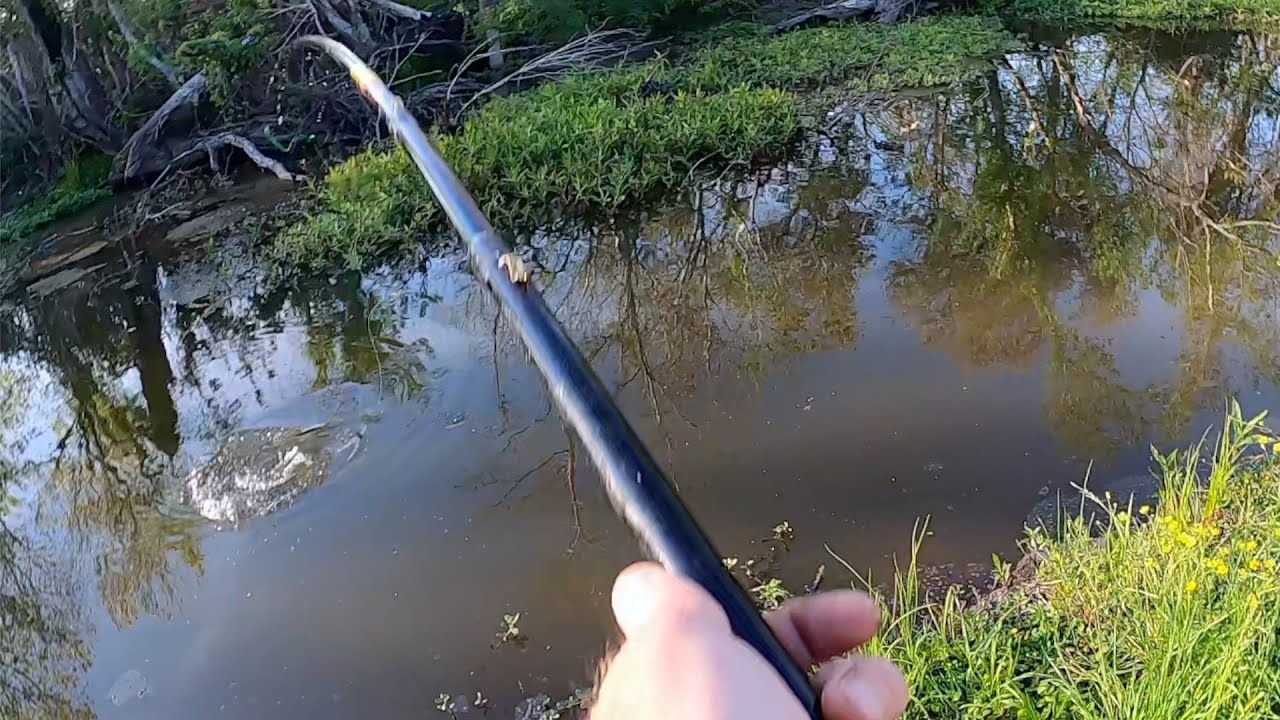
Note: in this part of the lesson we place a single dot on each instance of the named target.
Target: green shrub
(224, 43)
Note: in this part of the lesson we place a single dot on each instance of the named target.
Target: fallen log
(166, 134)
(884, 11)
(839, 11)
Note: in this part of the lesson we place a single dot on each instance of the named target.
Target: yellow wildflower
(1144, 510)
(1215, 531)
(1255, 564)
(1254, 602)
(1187, 539)
(1223, 550)
(1218, 566)
(1191, 586)
(1122, 517)
(1269, 564)
(1276, 448)
(1250, 545)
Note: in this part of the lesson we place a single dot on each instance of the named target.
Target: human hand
(680, 660)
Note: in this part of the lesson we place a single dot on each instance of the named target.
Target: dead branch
(835, 12)
(404, 11)
(593, 51)
(131, 36)
(357, 37)
(217, 142)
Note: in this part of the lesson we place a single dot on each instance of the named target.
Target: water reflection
(1071, 181)
(1085, 236)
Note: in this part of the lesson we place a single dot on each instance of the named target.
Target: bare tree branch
(131, 36)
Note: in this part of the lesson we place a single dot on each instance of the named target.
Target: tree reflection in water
(1021, 221)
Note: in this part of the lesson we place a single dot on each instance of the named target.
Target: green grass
(593, 143)
(556, 21)
(1244, 14)
(931, 52)
(1173, 614)
(82, 183)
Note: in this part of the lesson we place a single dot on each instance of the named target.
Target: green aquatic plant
(771, 593)
(510, 628)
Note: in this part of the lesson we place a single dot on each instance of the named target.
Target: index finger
(816, 628)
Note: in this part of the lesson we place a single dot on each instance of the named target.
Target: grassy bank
(1242, 14)
(594, 142)
(1173, 614)
(83, 182)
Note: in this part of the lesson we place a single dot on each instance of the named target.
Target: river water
(948, 306)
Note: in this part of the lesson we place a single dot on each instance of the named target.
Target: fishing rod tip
(365, 79)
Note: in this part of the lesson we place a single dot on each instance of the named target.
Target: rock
(802, 225)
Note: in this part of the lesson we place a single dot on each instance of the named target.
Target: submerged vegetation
(1173, 614)
(594, 142)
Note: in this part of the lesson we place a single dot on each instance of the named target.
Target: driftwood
(596, 50)
(213, 143)
(885, 11)
(162, 137)
(835, 12)
(403, 11)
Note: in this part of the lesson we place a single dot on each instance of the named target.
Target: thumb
(645, 595)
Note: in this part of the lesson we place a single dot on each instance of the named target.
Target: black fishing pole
(640, 492)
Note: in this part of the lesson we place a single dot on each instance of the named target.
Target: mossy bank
(592, 143)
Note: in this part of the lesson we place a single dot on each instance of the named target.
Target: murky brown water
(948, 307)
